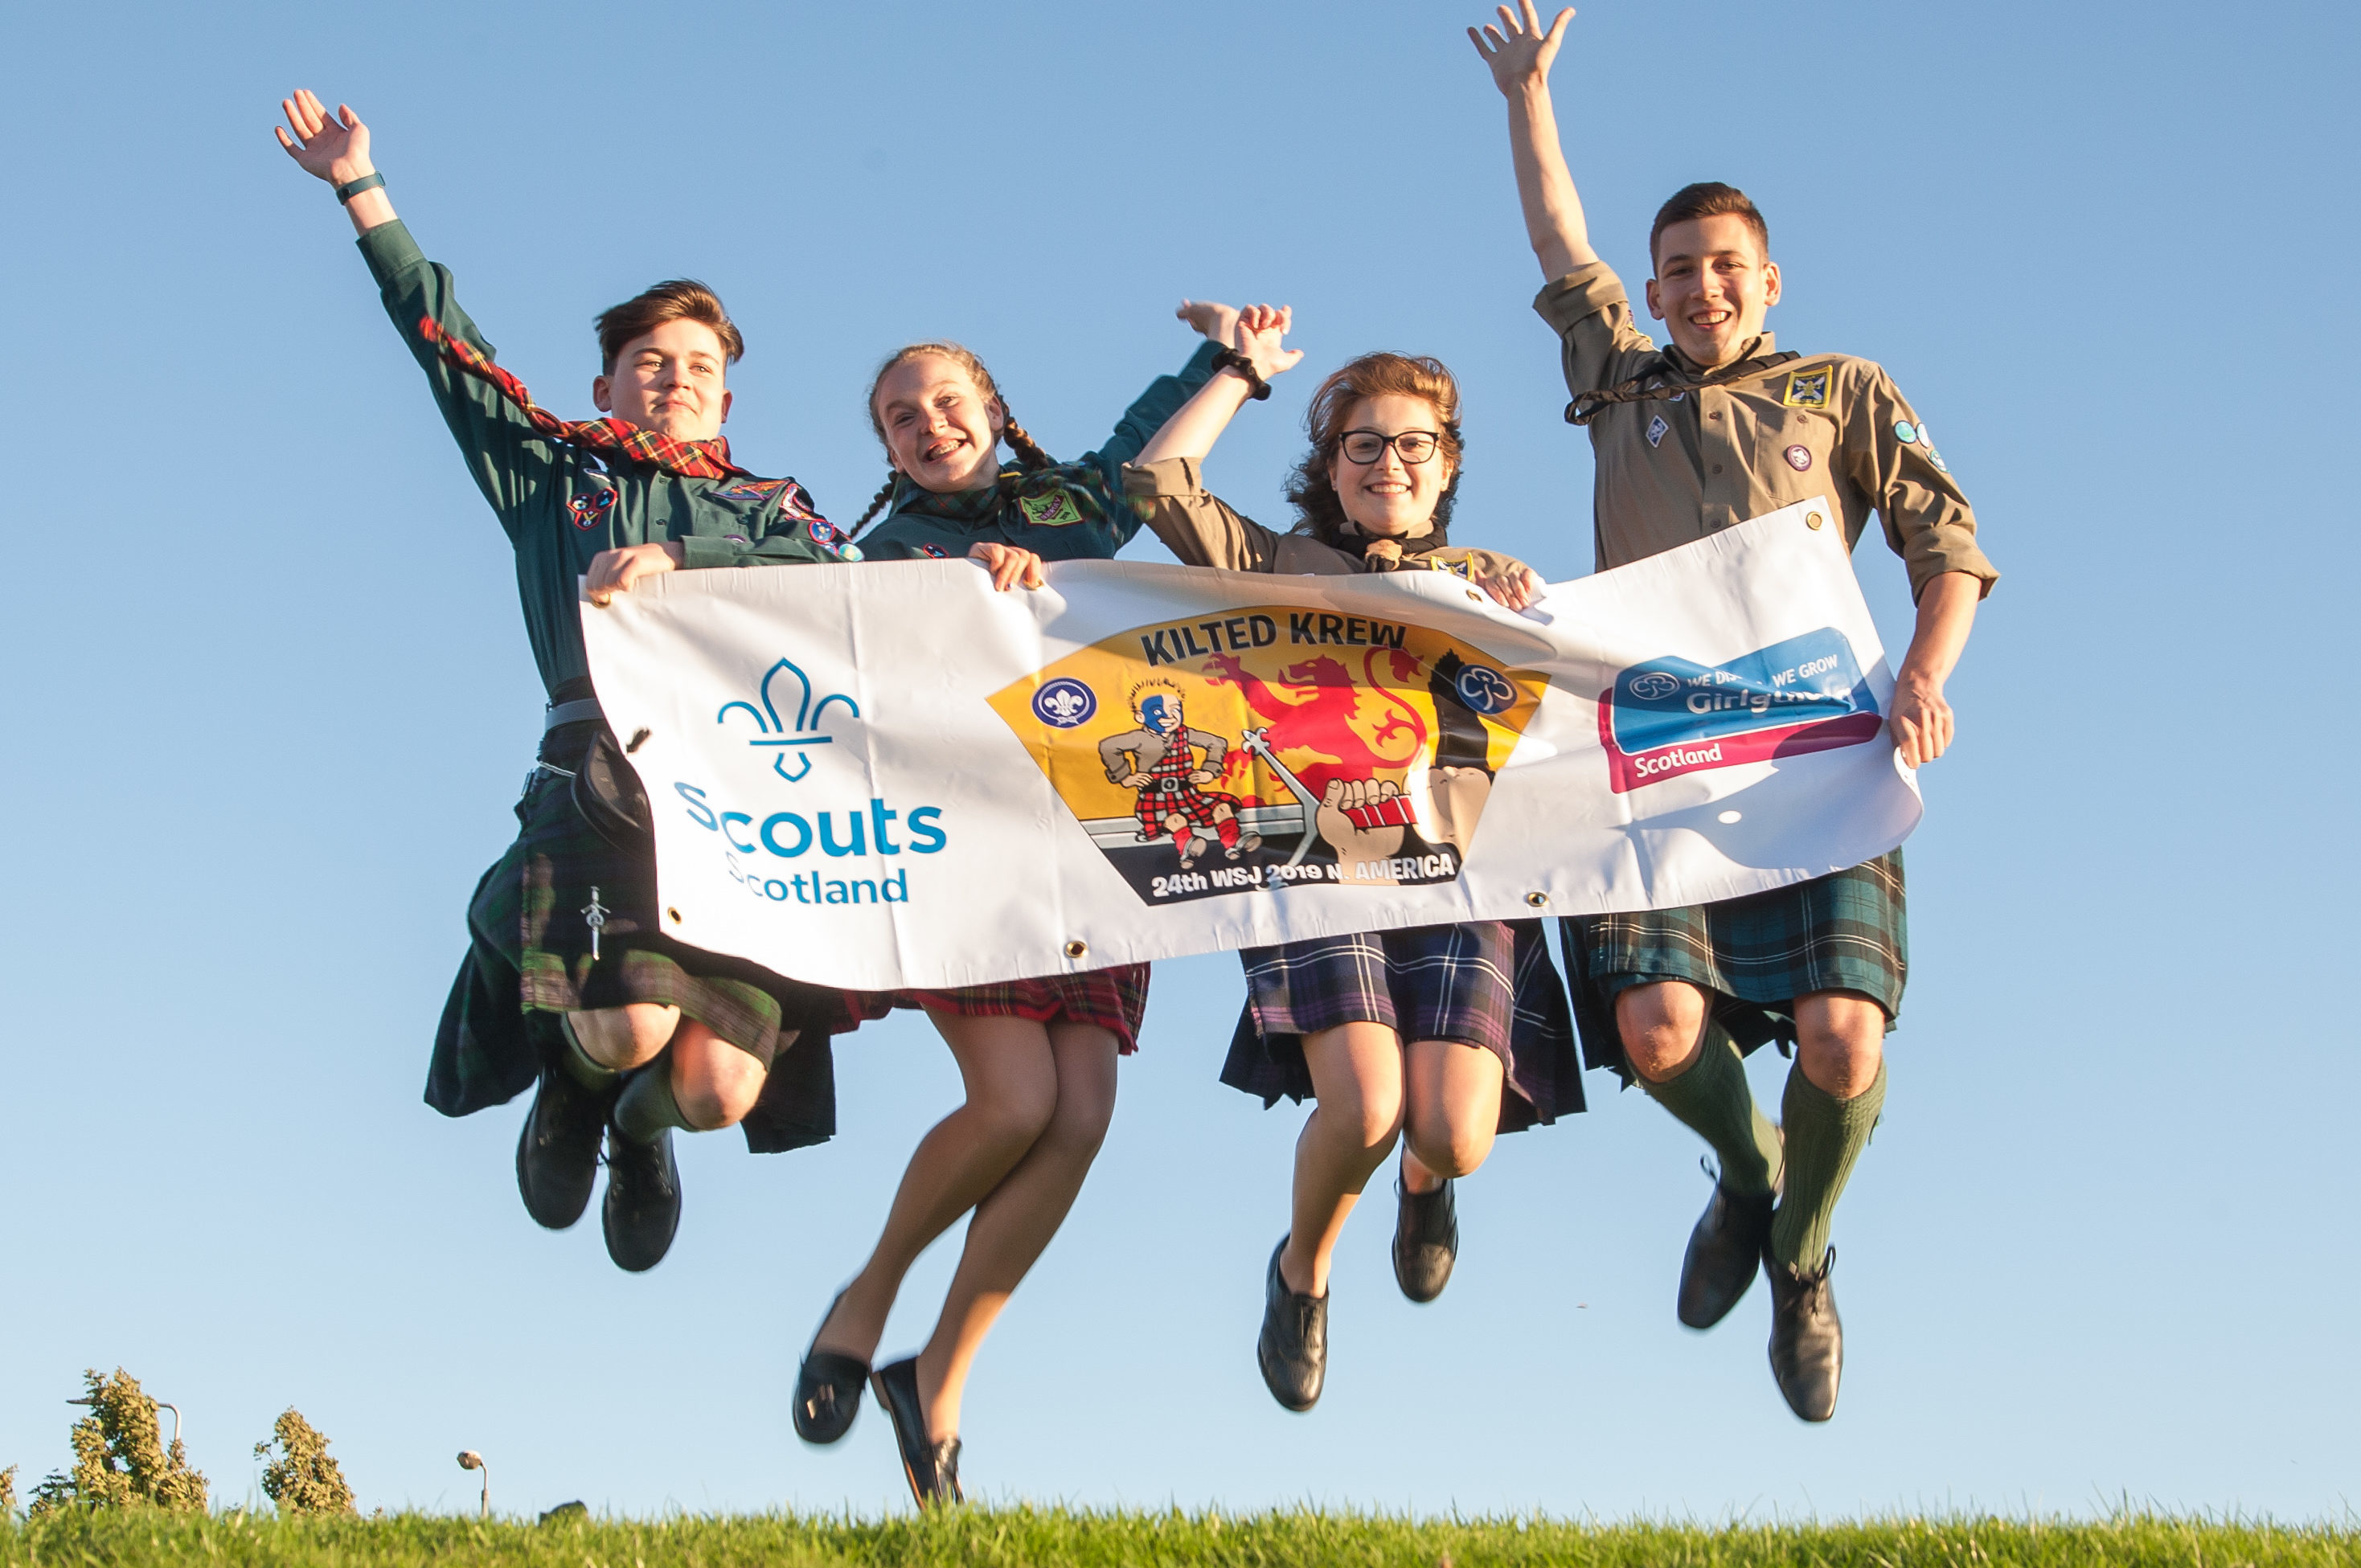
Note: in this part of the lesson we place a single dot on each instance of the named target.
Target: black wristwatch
(1231, 359)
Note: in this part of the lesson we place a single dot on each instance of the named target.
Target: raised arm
(1520, 54)
(334, 148)
(1258, 333)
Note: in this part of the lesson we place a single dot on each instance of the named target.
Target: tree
(303, 1479)
(118, 1461)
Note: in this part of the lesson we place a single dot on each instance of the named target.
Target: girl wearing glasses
(1448, 1034)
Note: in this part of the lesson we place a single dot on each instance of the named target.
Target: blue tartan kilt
(1752, 955)
(1488, 983)
(529, 961)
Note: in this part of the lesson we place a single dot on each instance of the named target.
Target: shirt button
(1716, 416)
(1716, 467)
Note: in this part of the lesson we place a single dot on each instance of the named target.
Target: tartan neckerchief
(690, 459)
(1673, 376)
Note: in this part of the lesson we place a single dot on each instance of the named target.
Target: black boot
(1293, 1348)
(931, 1468)
(557, 1151)
(1427, 1241)
(1724, 1250)
(643, 1208)
(1807, 1338)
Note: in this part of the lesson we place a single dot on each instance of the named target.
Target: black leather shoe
(931, 1468)
(557, 1151)
(643, 1208)
(1427, 1241)
(1725, 1249)
(827, 1388)
(1294, 1349)
(1806, 1339)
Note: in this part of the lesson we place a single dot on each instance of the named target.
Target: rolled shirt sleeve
(1885, 452)
(1195, 524)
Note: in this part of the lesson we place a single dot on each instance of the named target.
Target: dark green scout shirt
(1074, 511)
(560, 505)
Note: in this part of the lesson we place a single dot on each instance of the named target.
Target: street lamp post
(470, 1460)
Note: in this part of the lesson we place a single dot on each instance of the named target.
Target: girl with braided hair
(1442, 1035)
(1037, 1056)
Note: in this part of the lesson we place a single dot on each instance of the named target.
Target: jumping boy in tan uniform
(1689, 439)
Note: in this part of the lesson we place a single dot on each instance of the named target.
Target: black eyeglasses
(1412, 445)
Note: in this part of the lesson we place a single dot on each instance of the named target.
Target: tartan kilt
(529, 961)
(1114, 999)
(1754, 956)
(1488, 983)
(1189, 802)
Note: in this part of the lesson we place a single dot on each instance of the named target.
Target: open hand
(1258, 335)
(1211, 317)
(334, 147)
(1517, 50)
(613, 572)
(1008, 565)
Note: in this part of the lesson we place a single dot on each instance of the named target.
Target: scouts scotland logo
(1274, 747)
(1670, 716)
(772, 732)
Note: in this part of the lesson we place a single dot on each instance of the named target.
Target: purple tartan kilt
(1488, 983)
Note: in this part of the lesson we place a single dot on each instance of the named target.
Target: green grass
(1044, 1537)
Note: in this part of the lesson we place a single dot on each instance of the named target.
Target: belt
(574, 712)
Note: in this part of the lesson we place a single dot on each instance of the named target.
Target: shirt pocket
(1796, 454)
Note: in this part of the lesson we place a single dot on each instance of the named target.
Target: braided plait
(877, 502)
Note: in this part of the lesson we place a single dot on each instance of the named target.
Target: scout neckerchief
(1059, 496)
(1392, 554)
(690, 459)
(1652, 384)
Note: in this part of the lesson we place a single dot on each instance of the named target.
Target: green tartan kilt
(1752, 955)
(529, 961)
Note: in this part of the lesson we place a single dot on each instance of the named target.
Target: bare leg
(1454, 1094)
(1015, 1224)
(1840, 1041)
(1011, 1094)
(714, 1081)
(1356, 1070)
(627, 1037)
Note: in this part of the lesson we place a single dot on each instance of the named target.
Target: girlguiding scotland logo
(1064, 703)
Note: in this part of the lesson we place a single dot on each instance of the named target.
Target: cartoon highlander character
(1156, 760)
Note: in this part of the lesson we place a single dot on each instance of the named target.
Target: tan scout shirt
(1673, 471)
(1201, 528)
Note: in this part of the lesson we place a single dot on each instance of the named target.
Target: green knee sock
(1825, 1136)
(647, 1109)
(576, 1061)
(1711, 1097)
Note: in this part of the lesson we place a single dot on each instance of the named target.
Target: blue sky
(268, 699)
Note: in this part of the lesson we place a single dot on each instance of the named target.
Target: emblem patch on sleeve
(1055, 510)
(1808, 389)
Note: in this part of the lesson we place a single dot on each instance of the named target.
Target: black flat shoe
(1725, 1249)
(642, 1209)
(827, 1388)
(931, 1468)
(1807, 1337)
(557, 1151)
(1293, 1348)
(1427, 1241)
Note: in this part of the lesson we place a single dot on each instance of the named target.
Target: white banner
(888, 774)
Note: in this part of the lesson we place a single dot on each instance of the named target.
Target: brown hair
(676, 299)
(1371, 376)
(1029, 455)
(1710, 199)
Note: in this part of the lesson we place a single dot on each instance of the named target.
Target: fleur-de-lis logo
(777, 733)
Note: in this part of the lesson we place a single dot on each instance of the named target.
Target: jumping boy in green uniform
(570, 978)
(1717, 428)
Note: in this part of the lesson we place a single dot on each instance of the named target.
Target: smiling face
(669, 381)
(1713, 286)
(1389, 498)
(942, 430)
